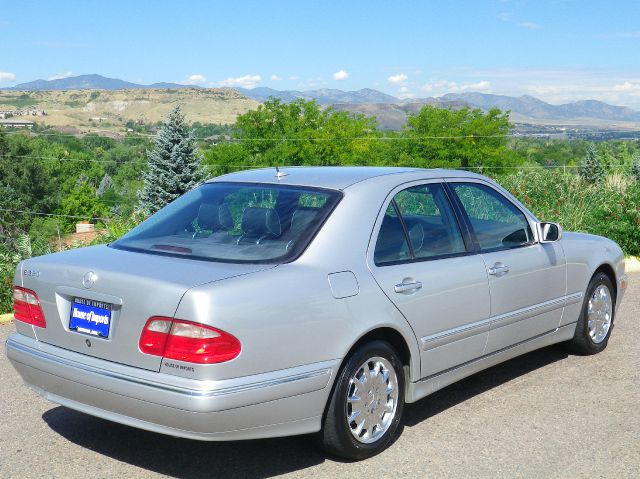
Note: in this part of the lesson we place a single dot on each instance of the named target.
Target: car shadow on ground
(183, 458)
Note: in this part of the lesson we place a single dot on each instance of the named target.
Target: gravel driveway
(545, 414)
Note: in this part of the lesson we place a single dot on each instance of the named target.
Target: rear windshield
(235, 222)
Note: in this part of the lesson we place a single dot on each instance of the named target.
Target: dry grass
(75, 108)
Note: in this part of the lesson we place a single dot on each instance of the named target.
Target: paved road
(546, 414)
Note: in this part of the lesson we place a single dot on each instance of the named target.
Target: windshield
(235, 222)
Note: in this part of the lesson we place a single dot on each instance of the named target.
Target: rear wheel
(596, 319)
(366, 405)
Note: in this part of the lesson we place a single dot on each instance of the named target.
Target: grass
(19, 101)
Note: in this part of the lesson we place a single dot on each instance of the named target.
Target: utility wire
(38, 213)
(254, 166)
(355, 138)
(35, 157)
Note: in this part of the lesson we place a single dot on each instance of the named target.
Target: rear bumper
(278, 403)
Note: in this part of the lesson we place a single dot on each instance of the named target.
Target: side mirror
(549, 232)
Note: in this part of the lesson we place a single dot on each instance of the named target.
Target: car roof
(335, 177)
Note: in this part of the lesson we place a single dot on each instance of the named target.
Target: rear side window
(392, 245)
(419, 224)
(235, 222)
(496, 222)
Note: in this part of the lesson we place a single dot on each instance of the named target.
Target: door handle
(498, 269)
(407, 287)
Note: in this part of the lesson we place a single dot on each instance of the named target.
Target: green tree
(83, 204)
(439, 137)
(296, 133)
(591, 168)
(174, 164)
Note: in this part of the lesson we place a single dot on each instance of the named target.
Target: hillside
(393, 116)
(111, 109)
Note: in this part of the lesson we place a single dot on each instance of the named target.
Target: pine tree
(635, 166)
(591, 168)
(174, 164)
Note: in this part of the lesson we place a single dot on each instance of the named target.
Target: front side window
(235, 222)
(496, 222)
(418, 224)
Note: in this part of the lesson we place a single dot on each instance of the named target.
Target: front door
(527, 279)
(422, 263)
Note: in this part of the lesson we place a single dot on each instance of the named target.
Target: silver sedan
(307, 300)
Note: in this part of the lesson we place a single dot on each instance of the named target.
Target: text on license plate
(90, 317)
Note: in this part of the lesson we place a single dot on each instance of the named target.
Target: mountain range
(88, 82)
(324, 96)
(389, 110)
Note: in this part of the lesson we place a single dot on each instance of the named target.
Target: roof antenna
(280, 174)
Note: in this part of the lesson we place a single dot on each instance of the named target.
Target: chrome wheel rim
(372, 400)
(599, 313)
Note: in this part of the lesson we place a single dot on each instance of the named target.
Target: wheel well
(608, 270)
(389, 335)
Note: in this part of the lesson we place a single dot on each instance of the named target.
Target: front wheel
(366, 405)
(596, 319)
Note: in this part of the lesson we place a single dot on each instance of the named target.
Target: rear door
(527, 279)
(421, 260)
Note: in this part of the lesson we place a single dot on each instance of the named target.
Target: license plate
(90, 317)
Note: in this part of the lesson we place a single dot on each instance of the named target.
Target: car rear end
(97, 331)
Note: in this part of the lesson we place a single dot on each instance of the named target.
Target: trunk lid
(135, 285)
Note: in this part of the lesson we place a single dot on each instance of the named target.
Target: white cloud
(275, 78)
(628, 34)
(7, 76)
(504, 17)
(530, 25)
(60, 76)
(625, 93)
(246, 81)
(340, 75)
(294, 78)
(444, 86)
(398, 79)
(551, 84)
(631, 87)
(195, 80)
(404, 93)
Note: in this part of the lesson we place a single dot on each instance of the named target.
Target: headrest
(416, 235)
(215, 217)
(301, 219)
(260, 222)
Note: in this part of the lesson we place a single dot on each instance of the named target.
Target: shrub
(610, 208)
(635, 166)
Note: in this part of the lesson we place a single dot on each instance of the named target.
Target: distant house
(15, 123)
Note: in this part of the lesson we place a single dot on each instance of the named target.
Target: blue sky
(557, 50)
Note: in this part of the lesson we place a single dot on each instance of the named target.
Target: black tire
(582, 343)
(336, 437)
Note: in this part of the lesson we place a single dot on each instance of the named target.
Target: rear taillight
(187, 341)
(26, 307)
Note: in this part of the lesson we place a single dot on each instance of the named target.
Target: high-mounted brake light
(187, 341)
(27, 308)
